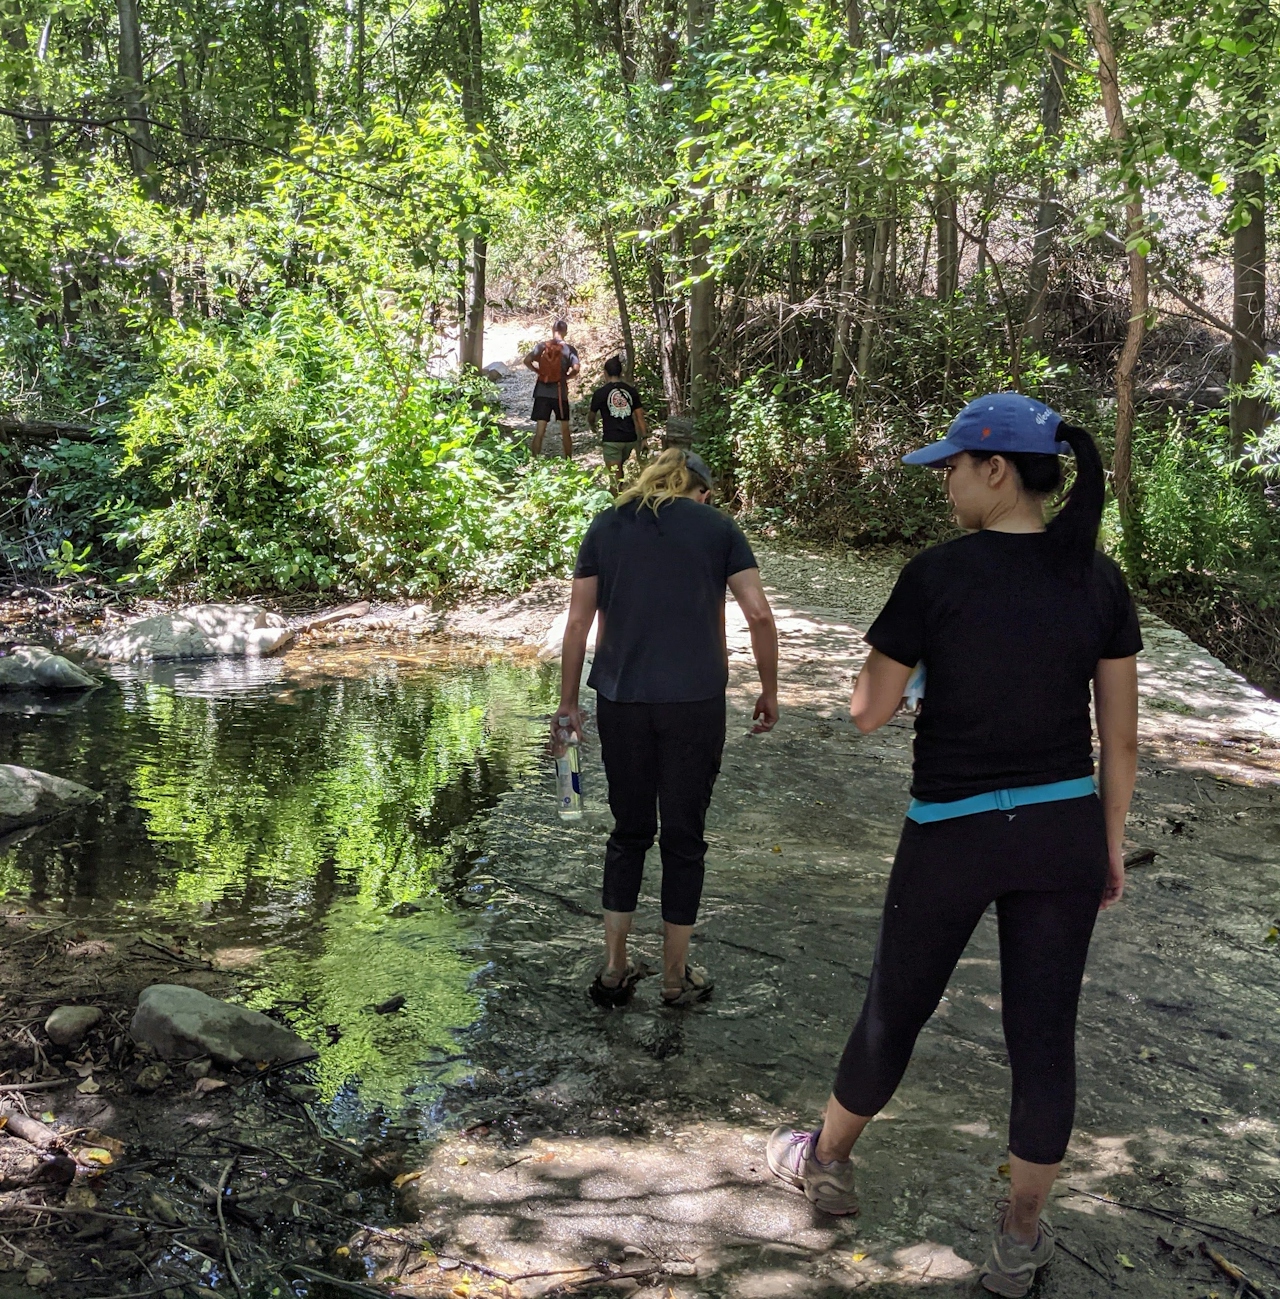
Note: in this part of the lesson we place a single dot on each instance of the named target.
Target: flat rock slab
(28, 797)
(181, 1023)
(200, 631)
(699, 1200)
(32, 667)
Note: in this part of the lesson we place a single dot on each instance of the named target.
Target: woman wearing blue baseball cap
(1014, 625)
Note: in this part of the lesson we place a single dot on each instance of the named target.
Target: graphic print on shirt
(619, 402)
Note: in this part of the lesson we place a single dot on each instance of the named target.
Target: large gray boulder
(181, 1023)
(28, 797)
(32, 667)
(200, 631)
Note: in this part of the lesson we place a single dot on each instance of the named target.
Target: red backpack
(550, 364)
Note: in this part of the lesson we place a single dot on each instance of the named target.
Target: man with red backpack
(555, 362)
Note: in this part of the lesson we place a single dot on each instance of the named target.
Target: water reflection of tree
(302, 815)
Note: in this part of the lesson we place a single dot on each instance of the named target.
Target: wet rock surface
(29, 797)
(181, 1023)
(32, 667)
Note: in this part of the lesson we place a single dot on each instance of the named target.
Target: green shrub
(1199, 511)
(296, 451)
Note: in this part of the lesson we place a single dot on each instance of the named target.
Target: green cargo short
(616, 453)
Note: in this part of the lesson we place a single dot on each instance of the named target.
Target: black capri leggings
(659, 757)
(1045, 868)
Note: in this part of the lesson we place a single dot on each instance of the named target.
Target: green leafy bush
(294, 450)
(1198, 510)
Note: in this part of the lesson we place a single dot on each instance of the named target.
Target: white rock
(69, 1024)
(181, 1023)
(200, 631)
(32, 667)
(497, 371)
(552, 643)
(28, 797)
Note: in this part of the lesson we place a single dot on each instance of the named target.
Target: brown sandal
(694, 987)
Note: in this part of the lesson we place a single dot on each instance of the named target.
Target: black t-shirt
(661, 599)
(1010, 646)
(617, 402)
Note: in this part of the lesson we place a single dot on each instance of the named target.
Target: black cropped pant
(1044, 867)
(659, 759)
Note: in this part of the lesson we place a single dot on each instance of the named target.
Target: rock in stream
(181, 1023)
(28, 797)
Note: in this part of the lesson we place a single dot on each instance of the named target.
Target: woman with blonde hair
(654, 567)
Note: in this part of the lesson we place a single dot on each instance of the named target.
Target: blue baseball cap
(1001, 421)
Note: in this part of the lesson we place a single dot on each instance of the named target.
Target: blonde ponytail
(667, 479)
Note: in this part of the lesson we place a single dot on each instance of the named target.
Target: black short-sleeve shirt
(617, 403)
(1010, 645)
(662, 582)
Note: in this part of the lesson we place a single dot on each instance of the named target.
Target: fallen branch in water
(222, 1226)
(314, 1274)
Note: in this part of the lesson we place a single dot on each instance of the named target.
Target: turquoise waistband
(1001, 800)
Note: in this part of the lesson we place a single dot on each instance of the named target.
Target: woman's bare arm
(878, 691)
(573, 653)
(1115, 700)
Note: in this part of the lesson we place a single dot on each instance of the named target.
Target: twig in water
(275, 1154)
(139, 1294)
(35, 1086)
(197, 962)
(222, 1225)
(314, 1274)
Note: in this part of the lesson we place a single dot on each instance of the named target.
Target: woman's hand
(1114, 889)
(765, 714)
(576, 721)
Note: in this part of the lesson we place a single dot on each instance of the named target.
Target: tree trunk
(875, 293)
(471, 332)
(472, 351)
(944, 206)
(1248, 263)
(1047, 212)
(702, 292)
(662, 316)
(360, 54)
(842, 357)
(142, 155)
(1139, 298)
(619, 291)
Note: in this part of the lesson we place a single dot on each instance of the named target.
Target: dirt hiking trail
(630, 1144)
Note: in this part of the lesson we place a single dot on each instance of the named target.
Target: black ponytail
(1074, 528)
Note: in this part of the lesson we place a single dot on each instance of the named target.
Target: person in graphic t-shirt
(1016, 625)
(655, 566)
(555, 362)
(625, 426)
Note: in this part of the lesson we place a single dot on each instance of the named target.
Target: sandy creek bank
(636, 1136)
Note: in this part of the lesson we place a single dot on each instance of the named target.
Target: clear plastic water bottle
(913, 695)
(568, 772)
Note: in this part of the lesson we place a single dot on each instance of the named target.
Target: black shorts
(550, 408)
